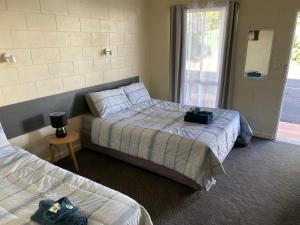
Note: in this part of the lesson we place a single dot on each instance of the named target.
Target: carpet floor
(261, 187)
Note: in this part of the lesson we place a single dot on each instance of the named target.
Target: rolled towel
(61, 212)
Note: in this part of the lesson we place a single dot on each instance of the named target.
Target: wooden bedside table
(68, 140)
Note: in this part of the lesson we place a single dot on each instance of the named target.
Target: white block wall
(58, 45)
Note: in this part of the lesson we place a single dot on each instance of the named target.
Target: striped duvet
(155, 131)
(26, 180)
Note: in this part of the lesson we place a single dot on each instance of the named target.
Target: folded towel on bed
(197, 116)
(61, 212)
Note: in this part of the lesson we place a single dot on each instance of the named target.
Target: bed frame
(139, 162)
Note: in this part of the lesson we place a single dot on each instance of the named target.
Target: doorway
(289, 124)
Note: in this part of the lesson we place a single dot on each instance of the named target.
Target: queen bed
(27, 179)
(152, 134)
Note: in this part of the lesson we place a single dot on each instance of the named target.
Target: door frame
(285, 75)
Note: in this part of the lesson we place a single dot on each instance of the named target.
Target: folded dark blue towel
(202, 117)
(254, 74)
(66, 214)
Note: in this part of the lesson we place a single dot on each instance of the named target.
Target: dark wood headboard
(24, 117)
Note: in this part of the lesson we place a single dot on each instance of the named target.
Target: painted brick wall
(58, 45)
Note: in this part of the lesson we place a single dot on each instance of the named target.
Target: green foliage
(296, 51)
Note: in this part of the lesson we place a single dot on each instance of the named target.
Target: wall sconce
(107, 51)
(9, 58)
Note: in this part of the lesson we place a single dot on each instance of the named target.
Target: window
(205, 35)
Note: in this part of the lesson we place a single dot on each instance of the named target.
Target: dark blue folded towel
(67, 214)
(254, 74)
(202, 117)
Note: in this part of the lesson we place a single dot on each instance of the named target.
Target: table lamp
(59, 121)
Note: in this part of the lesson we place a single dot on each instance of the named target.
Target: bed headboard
(24, 117)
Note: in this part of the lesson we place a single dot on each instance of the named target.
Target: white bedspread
(26, 180)
(155, 130)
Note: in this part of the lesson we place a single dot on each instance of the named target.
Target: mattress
(155, 130)
(27, 179)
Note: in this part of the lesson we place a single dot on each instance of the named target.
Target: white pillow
(91, 105)
(3, 140)
(108, 102)
(136, 93)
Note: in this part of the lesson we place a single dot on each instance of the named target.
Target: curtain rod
(202, 3)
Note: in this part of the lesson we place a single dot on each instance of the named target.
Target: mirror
(258, 53)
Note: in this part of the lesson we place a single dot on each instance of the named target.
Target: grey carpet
(261, 187)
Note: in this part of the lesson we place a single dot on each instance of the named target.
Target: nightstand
(68, 140)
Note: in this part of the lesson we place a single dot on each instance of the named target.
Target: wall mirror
(258, 54)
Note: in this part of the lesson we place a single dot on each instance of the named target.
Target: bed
(152, 134)
(27, 179)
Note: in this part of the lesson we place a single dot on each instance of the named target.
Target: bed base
(142, 163)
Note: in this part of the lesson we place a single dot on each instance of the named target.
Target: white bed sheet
(27, 179)
(155, 130)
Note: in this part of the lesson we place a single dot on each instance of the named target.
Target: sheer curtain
(204, 48)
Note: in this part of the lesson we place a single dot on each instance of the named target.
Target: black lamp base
(61, 132)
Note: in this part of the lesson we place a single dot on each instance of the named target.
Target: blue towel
(197, 116)
(254, 74)
(67, 214)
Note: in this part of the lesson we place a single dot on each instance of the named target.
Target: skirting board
(24, 117)
(64, 154)
(263, 135)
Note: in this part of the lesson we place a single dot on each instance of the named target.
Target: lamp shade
(58, 119)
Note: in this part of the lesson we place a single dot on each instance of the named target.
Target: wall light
(9, 58)
(107, 51)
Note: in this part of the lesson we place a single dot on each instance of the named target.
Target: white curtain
(205, 38)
